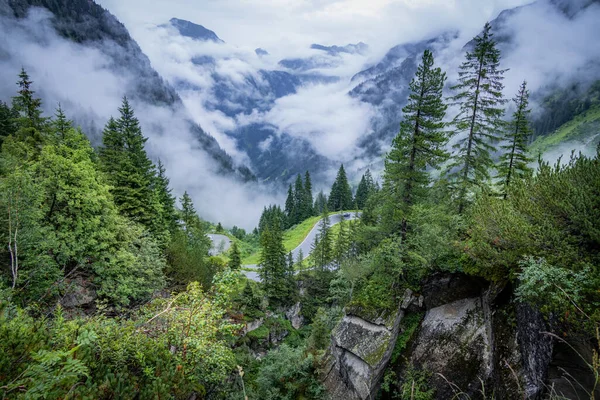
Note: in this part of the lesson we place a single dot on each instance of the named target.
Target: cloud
(325, 116)
(82, 79)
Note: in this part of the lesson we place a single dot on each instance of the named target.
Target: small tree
(235, 261)
(514, 162)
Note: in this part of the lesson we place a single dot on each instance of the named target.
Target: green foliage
(480, 99)
(299, 202)
(129, 170)
(320, 203)
(421, 141)
(415, 385)
(514, 161)
(552, 215)
(322, 251)
(235, 258)
(275, 274)
(366, 188)
(168, 349)
(408, 327)
(340, 196)
(287, 374)
(557, 290)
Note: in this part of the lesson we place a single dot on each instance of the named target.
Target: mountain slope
(89, 25)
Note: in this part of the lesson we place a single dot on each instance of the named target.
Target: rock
(253, 325)
(454, 346)
(445, 288)
(293, 315)
(80, 293)
(362, 344)
(535, 347)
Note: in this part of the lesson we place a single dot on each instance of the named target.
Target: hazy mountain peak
(358, 48)
(261, 52)
(194, 31)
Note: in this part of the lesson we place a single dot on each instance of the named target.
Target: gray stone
(293, 315)
(362, 344)
(80, 293)
(454, 346)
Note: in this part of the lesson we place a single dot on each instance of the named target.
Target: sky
(284, 27)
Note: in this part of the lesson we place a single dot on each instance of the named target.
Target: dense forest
(108, 289)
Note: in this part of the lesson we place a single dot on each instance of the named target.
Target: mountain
(90, 26)
(358, 48)
(194, 31)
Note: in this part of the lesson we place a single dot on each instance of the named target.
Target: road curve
(306, 244)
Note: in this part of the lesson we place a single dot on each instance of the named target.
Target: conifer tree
(299, 196)
(479, 120)
(129, 170)
(30, 123)
(8, 117)
(514, 162)
(290, 208)
(340, 197)
(61, 124)
(188, 215)
(320, 203)
(307, 202)
(322, 247)
(235, 261)
(420, 143)
(365, 188)
(168, 215)
(300, 260)
(342, 244)
(273, 266)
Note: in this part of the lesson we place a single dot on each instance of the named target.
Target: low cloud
(81, 78)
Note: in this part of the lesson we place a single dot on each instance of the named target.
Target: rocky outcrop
(293, 315)
(80, 294)
(361, 346)
(454, 345)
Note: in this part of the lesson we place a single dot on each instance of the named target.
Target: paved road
(305, 246)
(220, 244)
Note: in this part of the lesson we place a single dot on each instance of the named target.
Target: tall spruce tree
(290, 207)
(273, 266)
(365, 188)
(340, 197)
(168, 213)
(235, 259)
(322, 248)
(480, 117)
(307, 202)
(129, 170)
(514, 161)
(299, 196)
(420, 143)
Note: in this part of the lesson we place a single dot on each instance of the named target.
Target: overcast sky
(283, 26)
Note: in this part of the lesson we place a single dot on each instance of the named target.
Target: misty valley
(315, 200)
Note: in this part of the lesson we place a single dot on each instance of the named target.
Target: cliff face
(473, 339)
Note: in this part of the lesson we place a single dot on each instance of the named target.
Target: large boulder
(361, 346)
(454, 346)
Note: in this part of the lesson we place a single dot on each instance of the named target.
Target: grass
(582, 126)
(291, 238)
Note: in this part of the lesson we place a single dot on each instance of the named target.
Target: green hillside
(584, 128)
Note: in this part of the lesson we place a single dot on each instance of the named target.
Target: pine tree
(307, 202)
(290, 208)
(8, 117)
(31, 125)
(322, 248)
(365, 188)
(340, 197)
(300, 260)
(342, 244)
(420, 143)
(273, 266)
(188, 215)
(320, 203)
(514, 162)
(61, 125)
(129, 170)
(168, 215)
(480, 100)
(299, 196)
(235, 262)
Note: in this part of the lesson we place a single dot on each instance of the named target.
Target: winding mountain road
(306, 244)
